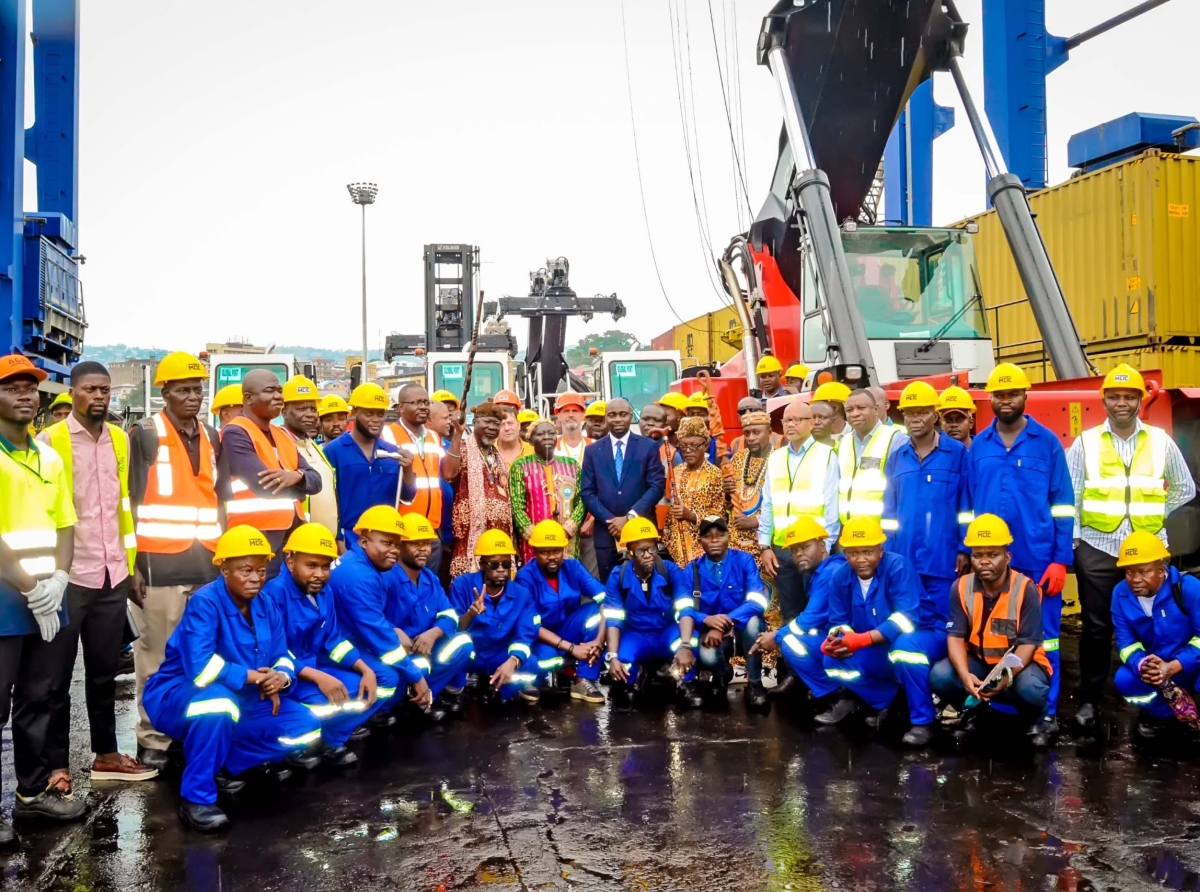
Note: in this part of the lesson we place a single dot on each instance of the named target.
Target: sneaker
(52, 805)
(838, 711)
(122, 768)
(205, 818)
(532, 695)
(584, 689)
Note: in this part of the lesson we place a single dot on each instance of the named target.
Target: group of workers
(310, 572)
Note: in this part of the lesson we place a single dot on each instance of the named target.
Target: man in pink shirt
(96, 455)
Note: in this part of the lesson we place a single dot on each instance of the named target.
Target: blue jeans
(716, 659)
(1027, 694)
(1051, 627)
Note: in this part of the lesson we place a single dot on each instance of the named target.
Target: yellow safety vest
(29, 530)
(799, 494)
(1112, 492)
(60, 439)
(860, 490)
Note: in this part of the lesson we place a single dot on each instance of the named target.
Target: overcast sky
(217, 140)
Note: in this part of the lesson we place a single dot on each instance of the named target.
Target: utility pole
(364, 194)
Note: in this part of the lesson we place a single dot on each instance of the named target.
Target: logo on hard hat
(858, 534)
(326, 543)
(303, 388)
(984, 534)
(1005, 379)
(1121, 377)
(195, 367)
(551, 537)
(256, 542)
(1132, 552)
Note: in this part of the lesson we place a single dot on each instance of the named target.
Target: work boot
(876, 719)
(228, 784)
(620, 695)
(381, 720)
(205, 818)
(339, 757)
(280, 773)
(586, 690)
(435, 715)
(125, 662)
(918, 736)
(756, 697)
(451, 701)
(689, 697)
(839, 710)
(157, 759)
(8, 836)
(1038, 738)
(362, 732)
(1147, 727)
(304, 760)
(1086, 717)
(1049, 726)
(52, 804)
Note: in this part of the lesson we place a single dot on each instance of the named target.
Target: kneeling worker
(213, 690)
(995, 609)
(420, 611)
(501, 617)
(881, 594)
(569, 599)
(361, 590)
(336, 682)
(731, 602)
(646, 620)
(1156, 621)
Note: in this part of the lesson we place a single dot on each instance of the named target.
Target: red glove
(829, 644)
(856, 640)
(1053, 579)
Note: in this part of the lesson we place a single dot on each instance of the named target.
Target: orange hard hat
(567, 399)
(507, 398)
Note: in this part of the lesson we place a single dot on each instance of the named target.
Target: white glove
(39, 597)
(56, 586)
(48, 625)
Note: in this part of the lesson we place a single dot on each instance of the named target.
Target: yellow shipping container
(711, 338)
(1125, 243)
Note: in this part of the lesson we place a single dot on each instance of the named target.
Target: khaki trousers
(155, 622)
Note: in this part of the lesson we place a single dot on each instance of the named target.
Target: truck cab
(640, 376)
(447, 371)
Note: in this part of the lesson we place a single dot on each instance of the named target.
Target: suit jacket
(639, 489)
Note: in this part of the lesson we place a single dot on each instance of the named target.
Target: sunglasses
(747, 409)
(498, 565)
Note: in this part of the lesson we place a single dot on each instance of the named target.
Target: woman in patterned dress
(481, 499)
(698, 492)
(545, 486)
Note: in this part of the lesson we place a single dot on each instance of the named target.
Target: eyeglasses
(498, 565)
(692, 447)
(647, 551)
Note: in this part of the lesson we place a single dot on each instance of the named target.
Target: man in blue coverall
(224, 686)
(420, 611)
(568, 599)
(1017, 470)
(885, 632)
(1156, 622)
(926, 506)
(502, 618)
(647, 619)
(732, 601)
(800, 640)
(336, 682)
(361, 591)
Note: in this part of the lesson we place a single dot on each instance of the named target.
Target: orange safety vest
(179, 507)
(427, 468)
(992, 643)
(265, 512)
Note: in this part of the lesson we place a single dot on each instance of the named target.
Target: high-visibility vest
(265, 512)
(992, 643)
(427, 467)
(739, 443)
(32, 534)
(60, 439)
(562, 450)
(863, 480)
(179, 507)
(1112, 492)
(798, 494)
(320, 453)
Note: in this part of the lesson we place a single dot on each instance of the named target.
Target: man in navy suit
(623, 477)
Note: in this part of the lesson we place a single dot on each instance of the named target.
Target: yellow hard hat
(242, 540)
(178, 367)
(331, 405)
(698, 400)
(637, 529)
(768, 364)
(548, 534)
(796, 370)
(861, 532)
(676, 401)
(804, 530)
(63, 399)
(956, 398)
(1007, 376)
(831, 392)
(596, 409)
(494, 543)
(1124, 377)
(527, 415)
(416, 528)
(299, 389)
(312, 538)
(369, 396)
(381, 519)
(229, 395)
(444, 396)
(918, 395)
(1141, 547)
(987, 529)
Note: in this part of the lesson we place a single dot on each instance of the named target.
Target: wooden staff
(471, 356)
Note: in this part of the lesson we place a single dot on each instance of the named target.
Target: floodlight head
(363, 193)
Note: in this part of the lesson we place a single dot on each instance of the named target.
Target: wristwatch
(609, 656)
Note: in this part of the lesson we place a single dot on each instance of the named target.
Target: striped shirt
(1181, 489)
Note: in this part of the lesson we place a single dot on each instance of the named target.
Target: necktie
(619, 459)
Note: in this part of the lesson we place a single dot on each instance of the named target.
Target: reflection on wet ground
(568, 797)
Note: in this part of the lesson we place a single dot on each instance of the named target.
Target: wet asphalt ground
(574, 797)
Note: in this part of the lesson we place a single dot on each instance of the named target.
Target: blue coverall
(200, 695)
(926, 511)
(800, 640)
(415, 608)
(1029, 488)
(565, 612)
(363, 483)
(316, 642)
(897, 606)
(508, 627)
(648, 620)
(1169, 633)
(733, 587)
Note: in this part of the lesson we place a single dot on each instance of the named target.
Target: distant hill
(106, 353)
